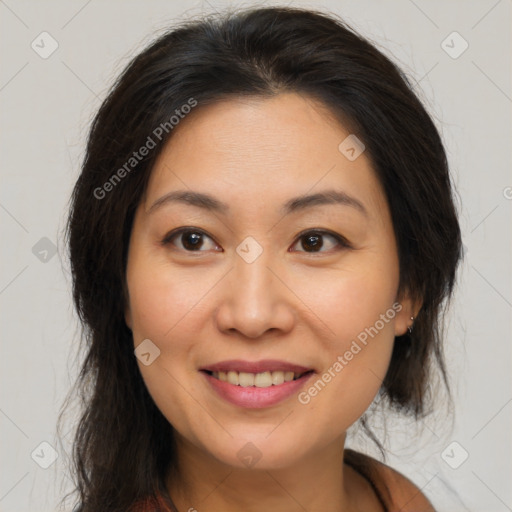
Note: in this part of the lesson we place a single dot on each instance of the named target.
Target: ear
(409, 308)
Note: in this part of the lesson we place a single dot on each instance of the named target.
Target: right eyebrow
(193, 198)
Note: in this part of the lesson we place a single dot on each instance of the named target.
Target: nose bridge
(255, 300)
(253, 280)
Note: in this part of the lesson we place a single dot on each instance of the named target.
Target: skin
(206, 306)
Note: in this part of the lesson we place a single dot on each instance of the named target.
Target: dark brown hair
(124, 446)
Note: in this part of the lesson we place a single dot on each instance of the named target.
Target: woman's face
(264, 281)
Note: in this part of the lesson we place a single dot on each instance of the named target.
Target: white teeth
(233, 378)
(277, 378)
(263, 380)
(246, 379)
(259, 380)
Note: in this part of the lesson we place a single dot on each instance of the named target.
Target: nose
(255, 300)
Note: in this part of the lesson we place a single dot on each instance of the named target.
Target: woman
(263, 239)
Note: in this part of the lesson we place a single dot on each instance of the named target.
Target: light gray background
(46, 107)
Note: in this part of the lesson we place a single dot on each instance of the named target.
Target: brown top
(393, 491)
(151, 504)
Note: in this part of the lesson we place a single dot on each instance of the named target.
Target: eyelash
(342, 242)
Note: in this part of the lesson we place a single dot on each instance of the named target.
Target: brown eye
(314, 241)
(190, 240)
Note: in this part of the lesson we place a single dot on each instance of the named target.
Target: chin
(260, 452)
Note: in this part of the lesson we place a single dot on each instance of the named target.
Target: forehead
(271, 148)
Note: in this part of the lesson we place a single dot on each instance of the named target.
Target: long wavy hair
(124, 447)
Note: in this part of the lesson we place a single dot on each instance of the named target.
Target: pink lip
(253, 397)
(266, 365)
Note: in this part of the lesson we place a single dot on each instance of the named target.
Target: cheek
(359, 309)
(348, 383)
(351, 298)
(161, 300)
(160, 311)
(166, 308)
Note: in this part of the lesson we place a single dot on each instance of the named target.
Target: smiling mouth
(258, 380)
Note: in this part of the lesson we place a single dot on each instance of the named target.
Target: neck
(316, 482)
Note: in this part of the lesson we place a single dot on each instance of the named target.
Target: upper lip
(266, 365)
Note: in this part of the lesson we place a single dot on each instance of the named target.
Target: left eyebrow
(208, 202)
(326, 197)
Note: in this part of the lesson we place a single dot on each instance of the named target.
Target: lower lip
(253, 397)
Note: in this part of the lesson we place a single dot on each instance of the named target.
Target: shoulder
(405, 495)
